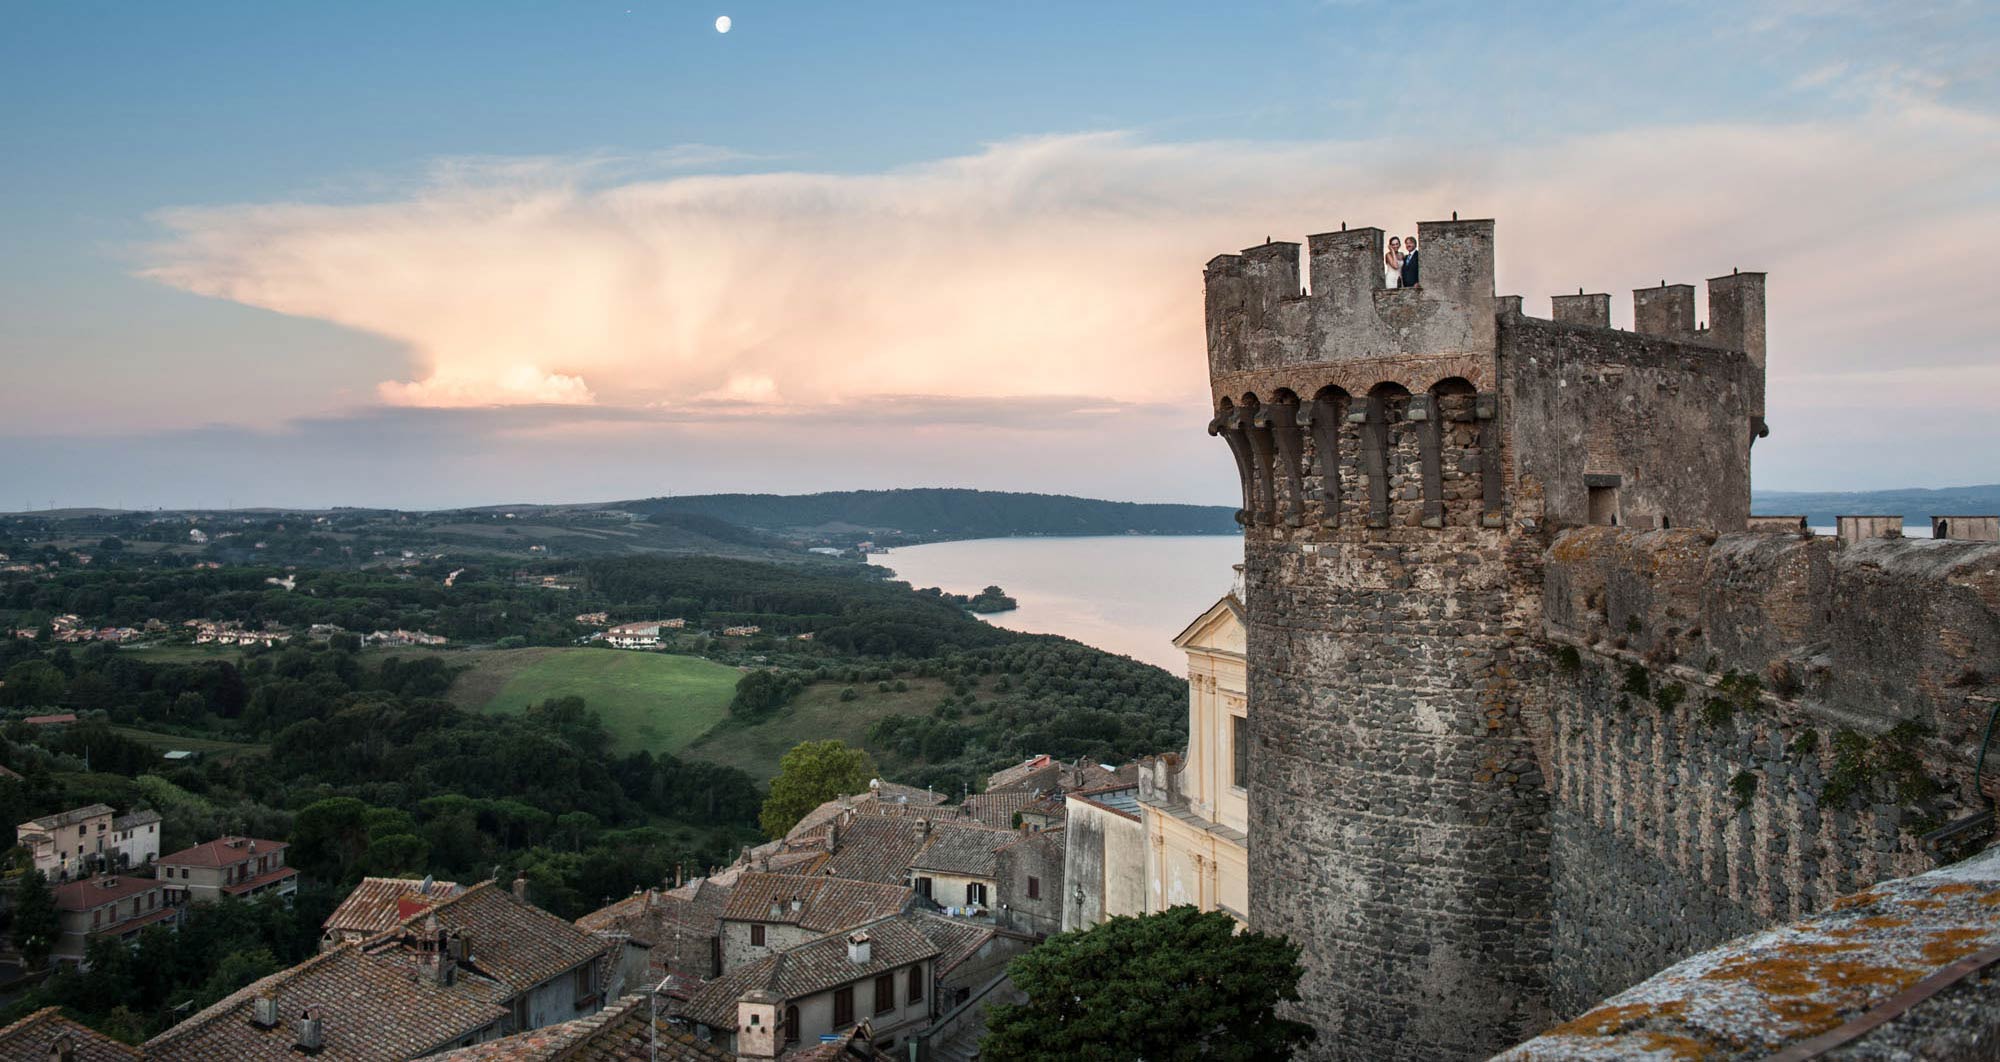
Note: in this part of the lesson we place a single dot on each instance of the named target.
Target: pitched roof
(963, 848)
(380, 903)
(512, 942)
(681, 925)
(222, 851)
(876, 848)
(851, 1045)
(809, 968)
(1009, 777)
(368, 1009)
(1227, 612)
(998, 809)
(814, 904)
(70, 817)
(956, 940)
(135, 819)
(618, 1033)
(96, 892)
(30, 1039)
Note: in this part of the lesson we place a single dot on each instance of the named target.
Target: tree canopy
(813, 773)
(1181, 984)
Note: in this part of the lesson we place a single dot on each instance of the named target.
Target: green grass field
(816, 715)
(205, 746)
(654, 701)
(183, 653)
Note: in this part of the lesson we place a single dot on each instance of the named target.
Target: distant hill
(1914, 504)
(931, 514)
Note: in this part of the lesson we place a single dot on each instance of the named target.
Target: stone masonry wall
(1728, 743)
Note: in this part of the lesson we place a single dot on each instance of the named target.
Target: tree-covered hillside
(946, 513)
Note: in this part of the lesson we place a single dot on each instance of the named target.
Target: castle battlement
(1352, 405)
(1406, 458)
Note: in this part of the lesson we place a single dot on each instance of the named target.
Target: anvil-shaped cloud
(1070, 266)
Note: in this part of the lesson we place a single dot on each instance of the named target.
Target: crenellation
(1736, 313)
(1590, 311)
(1666, 311)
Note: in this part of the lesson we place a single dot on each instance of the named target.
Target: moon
(722, 24)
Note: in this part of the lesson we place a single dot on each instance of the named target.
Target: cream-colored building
(1197, 812)
(1179, 836)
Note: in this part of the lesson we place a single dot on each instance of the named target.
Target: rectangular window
(757, 934)
(1239, 748)
(583, 983)
(975, 893)
(924, 888)
(885, 993)
(916, 992)
(843, 1007)
(1034, 887)
(1603, 506)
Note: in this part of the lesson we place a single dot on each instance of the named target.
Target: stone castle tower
(1407, 457)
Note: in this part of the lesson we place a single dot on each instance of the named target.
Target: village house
(476, 967)
(110, 905)
(957, 868)
(881, 972)
(228, 866)
(84, 840)
(380, 904)
(770, 913)
(683, 924)
(69, 843)
(403, 637)
(1104, 860)
(135, 840)
(742, 632)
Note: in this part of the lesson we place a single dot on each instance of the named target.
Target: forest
(357, 758)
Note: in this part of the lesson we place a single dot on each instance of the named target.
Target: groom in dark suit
(1408, 279)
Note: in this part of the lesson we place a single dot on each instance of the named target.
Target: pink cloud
(1071, 265)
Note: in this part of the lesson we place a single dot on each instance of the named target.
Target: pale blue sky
(192, 192)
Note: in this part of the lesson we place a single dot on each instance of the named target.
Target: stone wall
(1730, 741)
(1671, 420)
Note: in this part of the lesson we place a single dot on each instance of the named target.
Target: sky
(477, 253)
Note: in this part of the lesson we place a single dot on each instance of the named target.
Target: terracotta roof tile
(679, 923)
(95, 892)
(222, 851)
(379, 903)
(512, 942)
(956, 940)
(963, 848)
(30, 1040)
(618, 1033)
(369, 1009)
(824, 905)
(812, 967)
(876, 848)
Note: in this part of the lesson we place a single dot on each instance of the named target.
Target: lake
(1125, 594)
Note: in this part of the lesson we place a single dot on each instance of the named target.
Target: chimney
(833, 834)
(797, 904)
(521, 888)
(923, 827)
(309, 1033)
(264, 1012)
(63, 1049)
(442, 949)
(858, 949)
